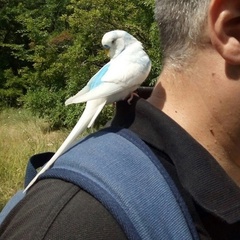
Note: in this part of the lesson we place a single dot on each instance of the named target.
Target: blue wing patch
(97, 78)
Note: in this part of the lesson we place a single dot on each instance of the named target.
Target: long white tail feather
(92, 109)
(100, 107)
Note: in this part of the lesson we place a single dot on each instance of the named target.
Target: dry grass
(21, 136)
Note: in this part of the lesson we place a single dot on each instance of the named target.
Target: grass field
(21, 136)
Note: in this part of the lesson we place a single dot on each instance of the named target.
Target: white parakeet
(128, 67)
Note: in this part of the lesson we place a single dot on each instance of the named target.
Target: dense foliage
(49, 49)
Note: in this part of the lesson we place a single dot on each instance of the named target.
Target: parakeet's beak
(107, 50)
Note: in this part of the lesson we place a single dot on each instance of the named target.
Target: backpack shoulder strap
(120, 170)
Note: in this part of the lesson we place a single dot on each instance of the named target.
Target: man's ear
(224, 29)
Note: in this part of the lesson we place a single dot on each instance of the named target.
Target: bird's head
(116, 41)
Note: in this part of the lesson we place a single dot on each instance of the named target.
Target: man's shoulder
(60, 210)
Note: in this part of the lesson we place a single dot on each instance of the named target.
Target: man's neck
(187, 100)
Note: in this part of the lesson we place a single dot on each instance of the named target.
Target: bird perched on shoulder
(128, 67)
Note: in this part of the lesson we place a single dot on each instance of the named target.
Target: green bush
(50, 49)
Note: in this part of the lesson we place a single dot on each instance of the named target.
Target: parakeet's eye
(113, 41)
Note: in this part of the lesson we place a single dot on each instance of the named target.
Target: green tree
(60, 49)
(11, 42)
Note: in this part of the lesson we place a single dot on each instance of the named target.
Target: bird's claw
(131, 97)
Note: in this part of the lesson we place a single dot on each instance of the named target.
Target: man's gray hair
(181, 24)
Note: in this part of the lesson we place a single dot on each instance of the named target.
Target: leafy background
(49, 49)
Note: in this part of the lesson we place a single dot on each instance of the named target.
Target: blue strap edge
(11, 204)
(35, 162)
(143, 147)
